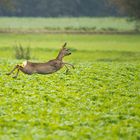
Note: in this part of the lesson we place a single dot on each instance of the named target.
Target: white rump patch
(24, 63)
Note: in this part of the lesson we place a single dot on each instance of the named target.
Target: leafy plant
(97, 100)
(22, 52)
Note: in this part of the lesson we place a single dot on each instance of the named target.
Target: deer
(49, 67)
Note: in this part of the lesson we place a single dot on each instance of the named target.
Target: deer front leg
(12, 70)
(67, 69)
(69, 65)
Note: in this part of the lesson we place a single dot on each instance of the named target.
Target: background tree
(129, 7)
(7, 4)
(56, 8)
(7, 7)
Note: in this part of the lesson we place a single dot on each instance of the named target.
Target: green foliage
(99, 99)
(22, 52)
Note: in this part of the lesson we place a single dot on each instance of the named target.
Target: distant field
(85, 47)
(98, 100)
(109, 24)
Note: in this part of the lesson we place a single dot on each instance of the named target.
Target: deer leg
(12, 70)
(16, 74)
(20, 68)
(69, 65)
(66, 69)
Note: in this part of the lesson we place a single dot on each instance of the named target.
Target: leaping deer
(44, 68)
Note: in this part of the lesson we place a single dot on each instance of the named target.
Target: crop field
(98, 100)
(102, 24)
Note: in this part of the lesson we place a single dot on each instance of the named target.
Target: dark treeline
(56, 8)
(131, 7)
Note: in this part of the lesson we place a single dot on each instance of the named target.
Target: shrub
(22, 52)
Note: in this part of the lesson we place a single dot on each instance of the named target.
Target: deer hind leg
(16, 74)
(12, 70)
(19, 68)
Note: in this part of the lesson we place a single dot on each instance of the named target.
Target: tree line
(74, 8)
(130, 7)
(56, 8)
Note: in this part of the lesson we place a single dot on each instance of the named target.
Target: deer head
(63, 52)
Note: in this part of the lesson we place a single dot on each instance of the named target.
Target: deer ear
(64, 45)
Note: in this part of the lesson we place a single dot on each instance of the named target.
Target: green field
(99, 99)
(65, 24)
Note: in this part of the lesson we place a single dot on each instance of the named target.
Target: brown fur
(44, 68)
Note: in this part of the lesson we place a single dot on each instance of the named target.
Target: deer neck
(60, 56)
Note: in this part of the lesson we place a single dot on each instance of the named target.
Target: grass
(90, 47)
(66, 24)
(99, 99)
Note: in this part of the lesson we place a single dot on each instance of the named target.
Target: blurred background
(79, 18)
(87, 25)
(57, 8)
(96, 12)
(73, 8)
